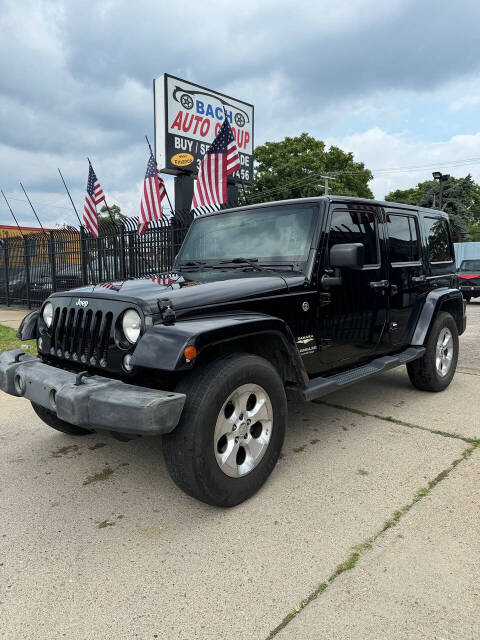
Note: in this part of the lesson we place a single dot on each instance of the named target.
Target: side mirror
(347, 256)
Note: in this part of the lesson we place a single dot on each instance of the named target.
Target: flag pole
(71, 200)
(13, 215)
(108, 208)
(166, 192)
(29, 202)
(244, 192)
(79, 222)
(243, 184)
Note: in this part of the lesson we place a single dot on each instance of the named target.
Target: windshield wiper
(193, 264)
(251, 262)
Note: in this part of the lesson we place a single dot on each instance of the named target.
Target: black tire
(189, 449)
(423, 373)
(467, 298)
(53, 421)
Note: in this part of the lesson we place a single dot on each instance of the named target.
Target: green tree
(292, 169)
(460, 199)
(117, 215)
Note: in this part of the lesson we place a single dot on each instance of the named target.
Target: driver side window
(355, 226)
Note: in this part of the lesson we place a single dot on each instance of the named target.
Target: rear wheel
(52, 420)
(435, 370)
(231, 431)
(467, 298)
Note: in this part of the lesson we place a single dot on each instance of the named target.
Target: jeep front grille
(81, 335)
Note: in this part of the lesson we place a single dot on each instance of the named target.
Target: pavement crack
(469, 373)
(359, 550)
(402, 423)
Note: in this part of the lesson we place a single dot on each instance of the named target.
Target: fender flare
(161, 346)
(433, 303)
(28, 327)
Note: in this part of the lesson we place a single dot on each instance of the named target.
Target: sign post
(187, 119)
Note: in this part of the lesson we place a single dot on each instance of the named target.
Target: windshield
(280, 233)
(470, 265)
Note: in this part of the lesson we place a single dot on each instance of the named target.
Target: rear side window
(438, 241)
(355, 226)
(402, 232)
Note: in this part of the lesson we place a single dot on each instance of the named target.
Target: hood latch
(165, 306)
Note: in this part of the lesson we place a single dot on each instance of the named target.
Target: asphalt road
(368, 527)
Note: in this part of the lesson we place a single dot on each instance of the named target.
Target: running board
(318, 387)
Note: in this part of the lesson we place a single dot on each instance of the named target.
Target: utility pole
(441, 178)
(326, 178)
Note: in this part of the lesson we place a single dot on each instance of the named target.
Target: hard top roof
(334, 198)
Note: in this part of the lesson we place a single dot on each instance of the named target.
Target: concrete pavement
(419, 580)
(96, 542)
(11, 317)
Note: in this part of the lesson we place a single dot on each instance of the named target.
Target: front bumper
(93, 402)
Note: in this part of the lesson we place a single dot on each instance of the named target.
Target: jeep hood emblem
(81, 303)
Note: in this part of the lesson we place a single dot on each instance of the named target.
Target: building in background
(11, 230)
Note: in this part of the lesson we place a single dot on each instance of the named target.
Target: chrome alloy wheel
(444, 352)
(243, 430)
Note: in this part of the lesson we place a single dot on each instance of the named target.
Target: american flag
(220, 161)
(94, 196)
(152, 196)
(111, 285)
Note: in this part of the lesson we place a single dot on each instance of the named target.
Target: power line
(317, 176)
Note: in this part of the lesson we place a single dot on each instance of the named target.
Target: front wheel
(231, 431)
(435, 370)
(52, 420)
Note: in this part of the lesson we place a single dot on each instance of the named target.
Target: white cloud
(76, 81)
(399, 162)
(465, 102)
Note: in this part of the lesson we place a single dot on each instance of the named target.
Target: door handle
(418, 279)
(379, 284)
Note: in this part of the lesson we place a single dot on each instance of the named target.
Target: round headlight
(47, 314)
(131, 324)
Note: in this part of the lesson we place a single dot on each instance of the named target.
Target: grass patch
(9, 340)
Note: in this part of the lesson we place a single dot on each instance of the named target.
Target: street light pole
(441, 178)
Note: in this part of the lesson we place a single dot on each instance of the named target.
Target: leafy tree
(292, 169)
(117, 215)
(460, 199)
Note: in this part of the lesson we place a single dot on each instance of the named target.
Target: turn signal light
(190, 353)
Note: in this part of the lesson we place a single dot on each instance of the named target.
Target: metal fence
(35, 265)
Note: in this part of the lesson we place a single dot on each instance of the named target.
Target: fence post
(99, 260)
(123, 270)
(83, 256)
(5, 265)
(26, 259)
(51, 257)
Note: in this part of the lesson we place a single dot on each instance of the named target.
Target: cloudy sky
(397, 83)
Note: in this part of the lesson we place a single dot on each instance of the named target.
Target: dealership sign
(187, 119)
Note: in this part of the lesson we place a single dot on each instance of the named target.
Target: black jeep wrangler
(297, 298)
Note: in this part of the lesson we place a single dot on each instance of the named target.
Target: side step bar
(318, 387)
